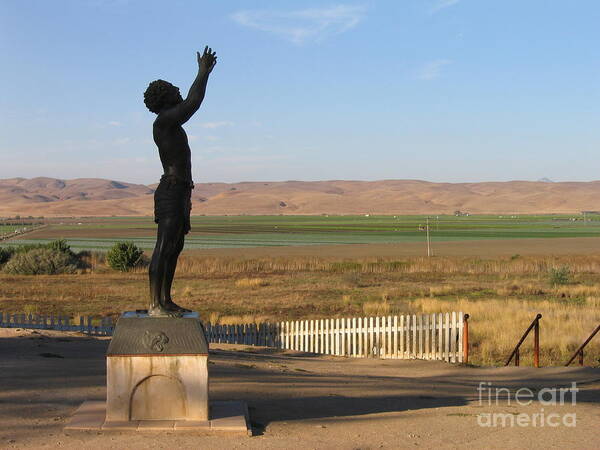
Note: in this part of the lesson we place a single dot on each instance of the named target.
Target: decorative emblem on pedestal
(155, 340)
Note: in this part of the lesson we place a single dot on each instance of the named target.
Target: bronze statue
(172, 198)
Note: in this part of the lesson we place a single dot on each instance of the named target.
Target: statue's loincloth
(173, 198)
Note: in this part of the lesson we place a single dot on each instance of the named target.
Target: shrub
(60, 245)
(560, 275)
(41, 261)
(6, 253)
(124, 256)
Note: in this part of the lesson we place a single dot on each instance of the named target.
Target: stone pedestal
(157, 369)
(157, 380)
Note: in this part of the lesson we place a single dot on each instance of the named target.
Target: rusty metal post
(536, 343)
(534, 324)
(465, 342)
(579, 351)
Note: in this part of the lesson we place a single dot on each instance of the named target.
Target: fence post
(395, 339)
(427, 354)
(354, 336)
(414, 337)
(465, 342)
(453, 337)
(342, 334)
(447, 337)
(336, 337)
(378, 334)
(536, 344)
(402, 335)
(371, 341)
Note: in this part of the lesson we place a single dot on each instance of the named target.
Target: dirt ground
(295, 400)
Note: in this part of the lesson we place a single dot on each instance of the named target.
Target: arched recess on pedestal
(158, 397)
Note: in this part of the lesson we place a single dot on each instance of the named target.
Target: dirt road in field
(298, 400)
(481, 248)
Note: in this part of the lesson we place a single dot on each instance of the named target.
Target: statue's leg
(154, 271)
(166, 241)
(169, 275)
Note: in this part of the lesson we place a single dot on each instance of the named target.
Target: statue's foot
(160, 311)
(172, 306)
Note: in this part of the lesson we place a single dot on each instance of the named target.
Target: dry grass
(376, 308)
(251, 282)
(502, 295)
(498, 324)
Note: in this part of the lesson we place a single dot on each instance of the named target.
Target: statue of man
(172, 199)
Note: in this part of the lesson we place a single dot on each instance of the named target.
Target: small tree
(560, 276)
(60, 245)
(124, 256)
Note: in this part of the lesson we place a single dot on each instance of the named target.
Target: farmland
(277, 231)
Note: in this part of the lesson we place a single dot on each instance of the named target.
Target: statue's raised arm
(181, 112)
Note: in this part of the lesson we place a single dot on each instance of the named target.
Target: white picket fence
(426, 336)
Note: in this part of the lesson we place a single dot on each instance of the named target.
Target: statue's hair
(155, 95)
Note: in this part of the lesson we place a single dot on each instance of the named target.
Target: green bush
(41, 261)
(124, 256)
(560, 275)
(59, 245)
(5, 254)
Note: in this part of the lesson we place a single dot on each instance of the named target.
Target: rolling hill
(52, 197)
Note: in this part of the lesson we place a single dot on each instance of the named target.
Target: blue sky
(440, 90)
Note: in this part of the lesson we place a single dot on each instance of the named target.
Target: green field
(262, 231)
(11, 228)
(4, 229)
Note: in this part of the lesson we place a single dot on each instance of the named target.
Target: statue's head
(160, 95)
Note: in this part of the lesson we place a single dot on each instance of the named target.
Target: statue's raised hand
(207, 61)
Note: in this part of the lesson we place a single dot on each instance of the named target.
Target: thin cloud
(442, 4)
(300, 26)
(433, 69)
(213, 125)
(114, 123)
(122, 141)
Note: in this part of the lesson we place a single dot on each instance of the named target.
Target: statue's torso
(175, 154)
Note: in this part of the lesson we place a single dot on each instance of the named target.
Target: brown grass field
(501, 293)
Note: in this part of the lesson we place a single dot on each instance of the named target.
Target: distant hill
(52, 197)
